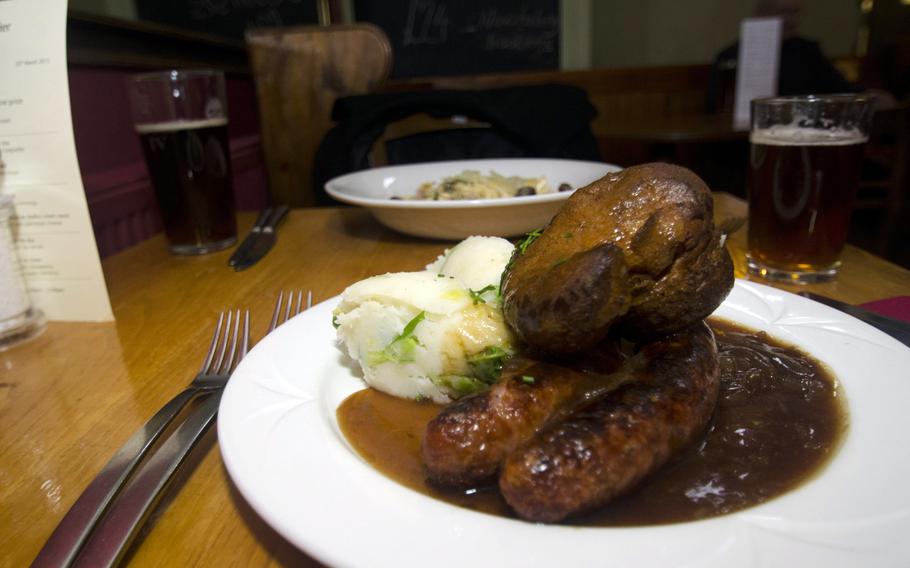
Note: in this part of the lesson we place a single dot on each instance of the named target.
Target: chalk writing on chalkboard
(427, 24)
(432, 37)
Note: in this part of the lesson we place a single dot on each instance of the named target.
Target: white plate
(506, 217)
(283, 448)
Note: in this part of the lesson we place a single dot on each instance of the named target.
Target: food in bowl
(471, 184)
(614, 374)
(383, 191)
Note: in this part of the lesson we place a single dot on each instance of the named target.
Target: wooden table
(71, 397)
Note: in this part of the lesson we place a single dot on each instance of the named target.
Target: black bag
(543, 121)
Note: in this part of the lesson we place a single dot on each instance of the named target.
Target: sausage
(466, 443)
(607, 447)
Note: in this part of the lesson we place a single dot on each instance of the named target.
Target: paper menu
(757, 67)
(38, 165)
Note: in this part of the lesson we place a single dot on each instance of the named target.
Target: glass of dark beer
(805, 159)
(181, 119)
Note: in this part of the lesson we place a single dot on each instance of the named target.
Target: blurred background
(654, 71)
(588, 33)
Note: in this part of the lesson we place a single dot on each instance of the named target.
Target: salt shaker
(18, 319)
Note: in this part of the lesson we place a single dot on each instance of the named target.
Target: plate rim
(756, 515)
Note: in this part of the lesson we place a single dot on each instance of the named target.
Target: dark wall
(228, 19)
(461, 37)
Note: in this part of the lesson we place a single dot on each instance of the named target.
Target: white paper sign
(38, 165)
(757, 68)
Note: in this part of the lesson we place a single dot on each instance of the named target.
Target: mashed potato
(476, 262)
(436, 334)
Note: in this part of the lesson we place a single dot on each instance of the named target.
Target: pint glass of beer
(805, 159)
(181, 119)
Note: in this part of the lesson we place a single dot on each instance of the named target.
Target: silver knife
(260, 240)
(895, 328)
(244, 247)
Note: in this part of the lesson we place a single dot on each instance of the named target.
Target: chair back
(299, 73)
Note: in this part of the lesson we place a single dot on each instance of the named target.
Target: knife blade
(244, 248)
(895, 328)
(260, 241)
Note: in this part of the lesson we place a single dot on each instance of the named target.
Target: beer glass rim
(176, 75)
(837, 98)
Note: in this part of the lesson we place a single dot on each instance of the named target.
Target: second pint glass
(181, 119)
(805, 159)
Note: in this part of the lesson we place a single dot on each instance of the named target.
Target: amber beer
(801, 190)
(805, 158)
(190, 168)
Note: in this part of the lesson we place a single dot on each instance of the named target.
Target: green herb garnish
(519, 250)
(486, 365)
(401, 349)
(335, 323)
(461, 385)
(560, 261)
(477, 296)
(485, 368)
(527, 379)
(529, 239)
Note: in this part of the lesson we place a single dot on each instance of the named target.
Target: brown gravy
(778, 420)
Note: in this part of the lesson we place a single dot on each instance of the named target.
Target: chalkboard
(461, 37)
(228, 18)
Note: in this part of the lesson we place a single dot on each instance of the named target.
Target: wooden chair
(299, 72)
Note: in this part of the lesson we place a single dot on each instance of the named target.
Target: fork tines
(226, 334)
(291, 307)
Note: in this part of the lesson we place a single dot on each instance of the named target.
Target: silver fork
(118, 530)
(83, 517)
(277, 312)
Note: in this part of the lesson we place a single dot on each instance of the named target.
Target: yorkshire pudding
(636, 251)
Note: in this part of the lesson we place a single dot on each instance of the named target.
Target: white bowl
(506, 217)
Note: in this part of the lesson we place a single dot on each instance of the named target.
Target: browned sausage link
(466, 443)
(606, 448)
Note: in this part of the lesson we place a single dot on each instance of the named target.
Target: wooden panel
(299, 73)
(643, 79)
(618, 94)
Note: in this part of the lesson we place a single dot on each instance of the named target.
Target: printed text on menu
(38, 164)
